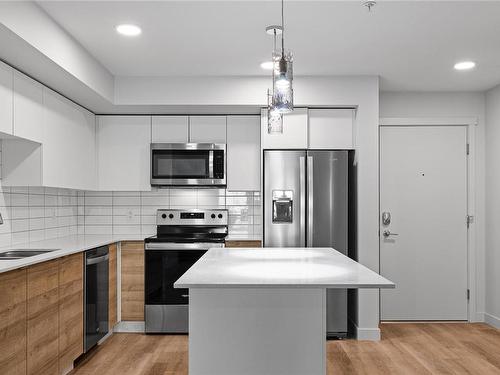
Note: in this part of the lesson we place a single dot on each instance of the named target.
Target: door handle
(388, 233)
(310, 210)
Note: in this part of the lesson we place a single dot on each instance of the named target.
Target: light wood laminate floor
(416, 348)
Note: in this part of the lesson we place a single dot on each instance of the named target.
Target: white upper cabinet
(331, 129)
(207, 129)
(170, 129)
(69, 158)
(6, 98)
(243, 153)
(294, 131)
(123, 152)
(28, 108)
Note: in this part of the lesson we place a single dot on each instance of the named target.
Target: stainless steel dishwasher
(96, 296)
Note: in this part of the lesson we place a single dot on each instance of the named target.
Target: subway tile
(20, 238)
(98, 194)
(126, 220)
(155, 201)
(127, 210)
(51, 191)
(214, 200)
(40, 190)
(98, 210)
(51, 233)
(50, 200)
(148, 220)
(51, 222)
(36, 200)
(98, 220)
(240, 229)
(183, 200)
(37, 235)
(127, 229)
(36, 224)
(6, 227)
(211, 192)
(239, 201)
(126, 194)
(98, 201)
(5, 239)
(63, 200)
(126, 201)
(243, 219)
(35, 212)
(156, 193)
(19, 189)
(5, 199)
(19, 212)
(148, 230)
(63, 231)
(98, 229)
(19, 199)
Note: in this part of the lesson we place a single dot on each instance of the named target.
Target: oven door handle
(181, 246)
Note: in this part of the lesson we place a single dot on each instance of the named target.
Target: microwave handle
(211, 164)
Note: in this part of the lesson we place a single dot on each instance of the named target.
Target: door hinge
(467, 148)
(468, 294)
(469, 220)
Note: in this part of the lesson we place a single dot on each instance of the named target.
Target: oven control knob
(164, 216)
(220, 216)
(212, 216)
(170, 216)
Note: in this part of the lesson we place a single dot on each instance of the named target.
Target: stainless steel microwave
(188, 164)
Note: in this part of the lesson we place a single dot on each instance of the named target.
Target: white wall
(492, 314)
(451, 104)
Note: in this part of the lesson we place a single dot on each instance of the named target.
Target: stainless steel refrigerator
(306, 204)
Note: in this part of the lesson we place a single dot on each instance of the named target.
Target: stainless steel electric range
(183, 236)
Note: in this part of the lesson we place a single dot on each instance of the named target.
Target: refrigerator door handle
(302, 168)
(310, 206)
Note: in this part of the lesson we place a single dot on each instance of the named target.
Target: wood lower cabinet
(13, 322)
(43, 318)
(112, 310)
(132, 280)
(244, 243)
(70, 310)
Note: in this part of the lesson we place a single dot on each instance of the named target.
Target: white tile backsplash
(38, 213)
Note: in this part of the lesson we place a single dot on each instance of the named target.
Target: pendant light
(274, 117)
(283, 74)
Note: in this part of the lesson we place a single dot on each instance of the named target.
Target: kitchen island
(263, 311)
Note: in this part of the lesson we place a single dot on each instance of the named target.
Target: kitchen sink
(23, 253)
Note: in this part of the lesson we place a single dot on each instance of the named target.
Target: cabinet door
(28, 108)
(43, 318)
(243, 153)
(132, 272)
(123, 144)
(294, 131)
(207, 129)
(6, 98)
(13, 322)
(68, 144)
(170, 129)
(331, 129)
(70, 310)
(112, 310)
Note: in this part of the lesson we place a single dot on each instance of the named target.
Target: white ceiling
(412, 45)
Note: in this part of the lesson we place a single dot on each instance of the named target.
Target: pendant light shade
(282, 82)
(274, 118)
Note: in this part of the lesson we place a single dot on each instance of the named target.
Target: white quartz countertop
(279, 267)
(64, 245)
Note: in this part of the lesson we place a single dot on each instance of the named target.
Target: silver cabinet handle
(185, 295)
(388, 233)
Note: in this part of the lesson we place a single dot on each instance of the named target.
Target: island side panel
(247, 331)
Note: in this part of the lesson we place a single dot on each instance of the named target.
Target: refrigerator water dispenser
(282, 206)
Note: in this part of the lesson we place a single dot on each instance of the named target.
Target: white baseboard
(369, 334)
(492, 320)
(477, 318)
(130, 327)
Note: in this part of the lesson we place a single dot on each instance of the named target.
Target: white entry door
(423, 187)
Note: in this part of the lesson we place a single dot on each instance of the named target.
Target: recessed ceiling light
(267, 65)
(465, 65)
(128, 29)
